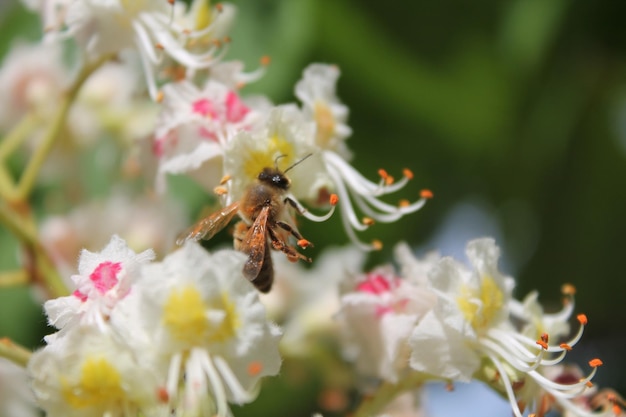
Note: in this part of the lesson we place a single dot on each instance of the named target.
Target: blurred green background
(512, 112)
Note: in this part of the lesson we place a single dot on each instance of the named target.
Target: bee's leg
(292, 254)
(241, 228)
(289, 228)
(295, 205)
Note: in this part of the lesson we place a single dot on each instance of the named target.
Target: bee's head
(275, 178)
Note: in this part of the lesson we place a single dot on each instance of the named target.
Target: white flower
(16, 397)
(203, 327)
(88, 373)
(470, 332)
(194, 127)
(328, 115)
(378, 314)
(154, 28)
(27, 85)
(103, 280)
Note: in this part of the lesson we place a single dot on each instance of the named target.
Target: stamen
(220, 191)
(543, 344)
(333, 200)
(159, 46)
(407, 173)
(568, 289)
(225, 179)
(426, 193)
(450, 386)
(303, 243)
(265, 60)
(163, 395)
(377, 244)
(159, 96)
(565, 346)
(368, 221)
(594, 363)
(582, 319)
(219, 7)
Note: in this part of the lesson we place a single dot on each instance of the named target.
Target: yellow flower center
(480, 307)
(325, 122)
(186, 315)
(100, 384)
(257, 160)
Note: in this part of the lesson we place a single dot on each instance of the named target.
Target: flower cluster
(187, 334)
(156, 326)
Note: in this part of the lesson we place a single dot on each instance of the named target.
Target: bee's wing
(254, 244)
(208, 227)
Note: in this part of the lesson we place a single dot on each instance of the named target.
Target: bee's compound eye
(280, 181)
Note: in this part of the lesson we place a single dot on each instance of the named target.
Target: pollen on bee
(303, 243)
(377, 244)
(582, 319)
(367, 221)
(333, 200)
(255, 368)
(426, 193)
(220, 190)
(265, 60)
(407, 173)
(594, 363)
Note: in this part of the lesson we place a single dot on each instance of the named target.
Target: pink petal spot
(158, 147)
(82, 297)
(207, 134)
(382, 310)
(235, 108)
(204, 107)
(104, 277)
(374, 284)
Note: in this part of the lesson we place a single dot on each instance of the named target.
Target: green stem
(386, 392)
(14, 352)
(27, 180)
(16, 136)
(17, 224)
(13, 278)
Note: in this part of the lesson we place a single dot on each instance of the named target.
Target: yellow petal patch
(325, 122)
(481, 307)
(185, 316)
(100, 384)
(256, 160)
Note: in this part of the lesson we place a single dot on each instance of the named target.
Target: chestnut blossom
(201, 326)
(470, 332)
(156, 29)
(103, 280)
(195, 125)
(16, 396)
(89, 373)
(378, 313)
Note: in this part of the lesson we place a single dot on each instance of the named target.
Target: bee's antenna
(295, 163)
(277, 158)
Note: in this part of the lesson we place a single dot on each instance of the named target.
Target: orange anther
(543, 344)
(589, 384)
(382, 173)
(171, 2)
(582, 319)
(377, 244)
(367, 221)
(404, 203)
(303, 243)
(226, 39)
(163, 395)
(545, 337)
(426, 193)
(220, 190)
(255, 368)
(594, 363)
(565, 346)
(389, 180)
(265, 60)
(159, 96)
(219, 7)
(240, 85)
(333, 200)
(159, 46)
(450, 387)
(617, 410)
(407, 173)
(568, 289)
(225, 179)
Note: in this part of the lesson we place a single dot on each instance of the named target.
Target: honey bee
(260, 210)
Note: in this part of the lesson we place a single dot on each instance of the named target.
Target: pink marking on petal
(204, 107)
(375, 284)
(207, 134)
(158, 147)
(235, 108)
(382, 310)
(82, 297)
(104, 277)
